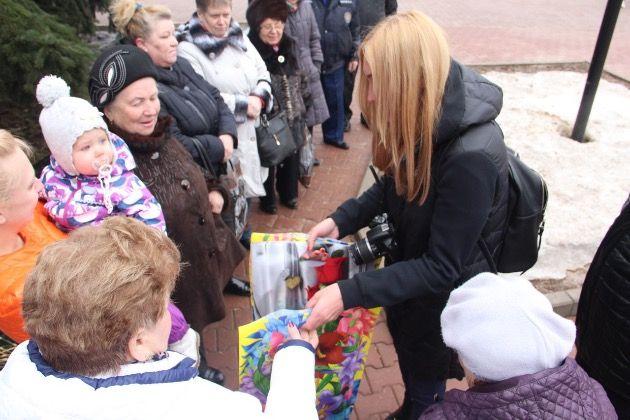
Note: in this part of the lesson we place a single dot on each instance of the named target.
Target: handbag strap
(204, 157)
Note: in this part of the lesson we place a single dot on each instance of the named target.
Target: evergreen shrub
(33, 44)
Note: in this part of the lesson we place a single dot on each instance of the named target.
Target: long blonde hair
(409, 59)
(133, 20)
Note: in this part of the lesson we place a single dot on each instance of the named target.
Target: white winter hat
(64, 119)
(503, 328)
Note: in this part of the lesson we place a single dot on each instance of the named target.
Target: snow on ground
(588, 182)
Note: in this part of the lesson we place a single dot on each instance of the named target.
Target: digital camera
(379, 241)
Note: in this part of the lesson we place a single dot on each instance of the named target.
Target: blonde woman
(445, 187)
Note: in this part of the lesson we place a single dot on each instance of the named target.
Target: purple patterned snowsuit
(74, 201)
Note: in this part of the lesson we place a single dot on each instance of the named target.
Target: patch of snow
(588, 182)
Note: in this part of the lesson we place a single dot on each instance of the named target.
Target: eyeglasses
(271, 26)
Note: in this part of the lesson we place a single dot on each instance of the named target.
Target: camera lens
(361, 252)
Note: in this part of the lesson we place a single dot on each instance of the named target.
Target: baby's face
(92, 150)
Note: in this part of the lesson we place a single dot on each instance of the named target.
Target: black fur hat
(259, 10)
(116, 68)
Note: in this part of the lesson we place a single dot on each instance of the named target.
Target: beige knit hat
(64, 119)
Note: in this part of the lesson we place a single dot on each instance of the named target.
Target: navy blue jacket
(339, 28)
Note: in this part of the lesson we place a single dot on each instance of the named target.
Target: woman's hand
(216, 202)
(327, 304)
(353, 65)
(254, 105)
(310, 336)
(228, 146)
(326, 228)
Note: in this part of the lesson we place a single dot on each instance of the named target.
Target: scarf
(281, 61)
(193, 32)
(146, 144)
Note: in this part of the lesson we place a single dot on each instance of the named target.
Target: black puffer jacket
(437, 248)
(603, 316)
(198, 110)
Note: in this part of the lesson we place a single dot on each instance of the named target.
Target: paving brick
(210, 339)
(227, 338)
(399, 393)
(374, 405)
(381, 334)
(383, 377)
(242, 316)
(387, 353)
(289, 224)
(374, 358)
(365, 388)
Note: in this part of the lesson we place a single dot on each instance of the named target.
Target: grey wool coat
(302, 27)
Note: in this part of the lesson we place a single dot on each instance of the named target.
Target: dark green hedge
(79, 14)
(34, 43)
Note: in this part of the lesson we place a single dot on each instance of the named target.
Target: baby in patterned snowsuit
(90, 178)
(90, 173)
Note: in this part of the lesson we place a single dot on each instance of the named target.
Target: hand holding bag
(235, 212)
(275, 140)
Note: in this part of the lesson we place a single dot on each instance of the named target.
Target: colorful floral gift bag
(339, 361)
(282, 282)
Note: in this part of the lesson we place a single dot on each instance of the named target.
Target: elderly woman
(24, 230)
(202, 121)
(266, 19)
(123, 85)
(302, 27)
(214, 45)
(514, 349)
(106, 358)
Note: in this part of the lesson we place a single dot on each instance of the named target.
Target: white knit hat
(64, 119)
(503, 328)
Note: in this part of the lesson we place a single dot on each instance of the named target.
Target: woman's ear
(140, 43)
(137, 347)
(108, 113)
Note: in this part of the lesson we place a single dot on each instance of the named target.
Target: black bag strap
(205, 160)
(487, 255)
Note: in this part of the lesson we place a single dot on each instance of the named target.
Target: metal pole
(597, 66)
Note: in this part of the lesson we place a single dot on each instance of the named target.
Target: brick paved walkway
(504, 32)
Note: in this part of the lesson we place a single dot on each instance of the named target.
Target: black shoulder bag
(275, 140)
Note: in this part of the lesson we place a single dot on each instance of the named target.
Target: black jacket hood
(469, 99)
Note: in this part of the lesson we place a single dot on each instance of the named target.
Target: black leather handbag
(275, 140)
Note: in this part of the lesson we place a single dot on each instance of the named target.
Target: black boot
(238, 287)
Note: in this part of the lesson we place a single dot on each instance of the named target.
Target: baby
(90, 173)
(90, 178)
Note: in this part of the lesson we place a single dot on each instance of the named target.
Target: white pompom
(51, 88)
